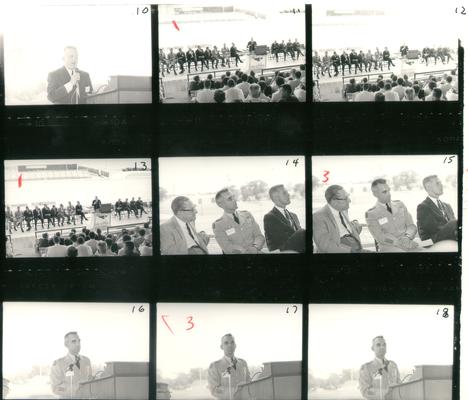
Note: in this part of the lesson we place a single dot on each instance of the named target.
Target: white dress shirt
(336, 214)
(188, 239)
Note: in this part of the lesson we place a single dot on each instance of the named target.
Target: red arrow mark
(175, 25)
(20, 181)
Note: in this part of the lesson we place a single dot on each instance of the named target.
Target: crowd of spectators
(89, 243)
(239, 87)
(396, 88)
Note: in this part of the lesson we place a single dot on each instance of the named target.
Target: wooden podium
(278, 381)
(124, 89)
(429, 382)
(119, 380)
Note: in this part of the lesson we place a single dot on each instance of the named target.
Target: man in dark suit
(282, 228)
(436, 219)
(69, 85)
(235, 54)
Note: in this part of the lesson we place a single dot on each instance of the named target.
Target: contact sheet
(158, 245)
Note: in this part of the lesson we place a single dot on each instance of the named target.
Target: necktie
(190, 232)
(290, 219)
(236, 218)
(77, 358)
(234, 362)
(344, 223)
(442, 209)
(389, 209)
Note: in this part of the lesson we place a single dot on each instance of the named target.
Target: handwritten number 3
(325, 176)
(190, 322)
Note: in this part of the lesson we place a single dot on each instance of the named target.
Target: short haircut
(279, 81)
(219, 96)
(102, 246)
(220, 194)
(428, 179)
(70, 333)
(207, 84)
(437, 93)
(331, 192)
(287, 88)
(227, 334)
(388, 86)
(275, 189)
(72, 251)
(178, 203)
(298, 74)
(379, 96)
(377, 337)
(92, 235)
(126, 238)
(379, 181)
(231, 83)
(45, 235)
(80, 240)
(400, 81)
(56, 239)
(449, 79)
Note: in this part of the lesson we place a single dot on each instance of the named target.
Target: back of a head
(400, 81)
(298, 74)
(231, 83)
(262, 85)
(56, 239)
(219, 96)
(388, 86)
(409, 93)
(286, 89)
(244, 77)
(379, 97)
(279, 81)
(81, 240)
(72, 252)
(102, 247)
(207, 84)
(437, 93)
(432, 85)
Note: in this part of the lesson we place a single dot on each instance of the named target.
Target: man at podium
(226, 374)
(67, 372)
(376, 376)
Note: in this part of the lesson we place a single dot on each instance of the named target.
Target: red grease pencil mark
(175, 25)
(20, 181)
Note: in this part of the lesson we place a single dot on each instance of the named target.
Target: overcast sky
(340, 335)
(347, 170)
(190, 175)
(34, 41)
(263, 333)
(33, 333)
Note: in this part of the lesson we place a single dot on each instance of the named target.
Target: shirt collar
(335, 212)
(281, 209)
(181, 223)
(434, 200)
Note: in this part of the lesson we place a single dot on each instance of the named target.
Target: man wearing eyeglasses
(377, 376)
(68, 372)
(236, 232)
(389, 221)
(226, 374)
(179, 235)
(333, 231)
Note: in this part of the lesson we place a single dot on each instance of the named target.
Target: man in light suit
(333, 232)
(389, 221)
(236, 232)
(67, 372)
(282, 228)
(226, 374)
(68, 84)
(178, 235)
(435, 219)
(377, 376)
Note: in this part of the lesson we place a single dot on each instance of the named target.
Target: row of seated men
(240, 87)
(403, 89)
(56, 216)
(220, 57)
(236, 231)
(389, 221)
(367, 62)
(88, 243)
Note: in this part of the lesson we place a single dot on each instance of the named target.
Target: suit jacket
(56, 92)
(327, 234)
(173, 239)
(277, 228)
(218, 377)
(430, 219)
(64, 386)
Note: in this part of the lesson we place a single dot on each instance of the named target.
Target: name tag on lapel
(383, 220)
(230, 232)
